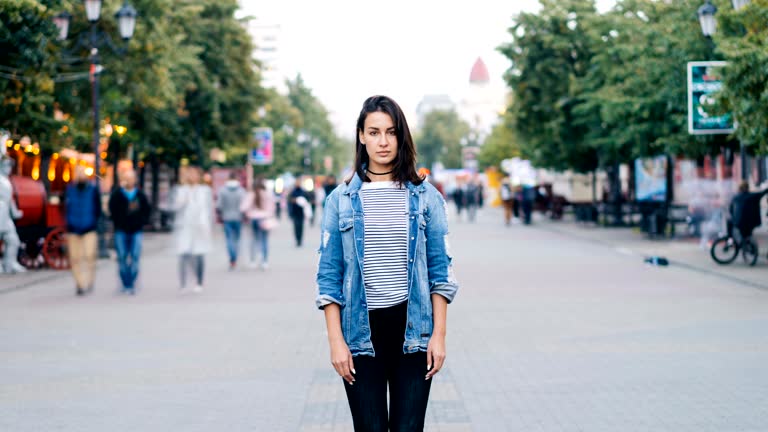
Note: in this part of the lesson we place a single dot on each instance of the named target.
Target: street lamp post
(126, 18)
(738, 4)
(706, 14)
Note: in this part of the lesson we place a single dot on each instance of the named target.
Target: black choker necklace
(380, 174)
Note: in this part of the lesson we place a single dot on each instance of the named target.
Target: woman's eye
(372, 133)
(391, 133)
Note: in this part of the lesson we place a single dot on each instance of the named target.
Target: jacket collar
(356, 183)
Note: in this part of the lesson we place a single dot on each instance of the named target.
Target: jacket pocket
(345, 224)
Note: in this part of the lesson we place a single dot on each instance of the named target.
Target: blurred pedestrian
(329, 185)
(194, 223)
(258, 206)
(517, 203)
(507, 199)
(129, 209)
(228, 200)
(471, 199)
(394, 305)
(299, 210)
(314, 196)
(527, 196)
(82, 210)
(744, 210)
(458, 198)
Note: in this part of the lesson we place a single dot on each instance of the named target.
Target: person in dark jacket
(745, 210)
(130, 211)
(82, 210)
(298, 208)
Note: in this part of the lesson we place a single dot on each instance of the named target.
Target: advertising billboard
(704, 81)
(651, 179)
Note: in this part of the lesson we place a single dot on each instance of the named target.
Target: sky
(347, 50)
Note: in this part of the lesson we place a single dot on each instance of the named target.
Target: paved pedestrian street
(549, 332)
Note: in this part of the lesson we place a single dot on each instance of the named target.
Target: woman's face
(193, 177)
(380, 140)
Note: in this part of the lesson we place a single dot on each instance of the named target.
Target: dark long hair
(404, 169)
(258, 189)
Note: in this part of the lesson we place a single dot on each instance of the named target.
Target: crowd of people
(196, 209)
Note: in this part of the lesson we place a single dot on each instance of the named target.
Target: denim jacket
(340, 268)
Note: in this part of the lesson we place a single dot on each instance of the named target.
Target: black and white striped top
(385, 265)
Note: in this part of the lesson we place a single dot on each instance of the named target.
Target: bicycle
(726, 248)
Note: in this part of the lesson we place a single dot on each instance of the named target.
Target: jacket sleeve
(439, 259)
(330, 269)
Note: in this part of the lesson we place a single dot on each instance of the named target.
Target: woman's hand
(435, 355)
(341, 358)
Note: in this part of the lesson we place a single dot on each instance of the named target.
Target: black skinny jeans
(408, 390)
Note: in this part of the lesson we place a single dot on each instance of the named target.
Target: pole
(103, 253)
(744, 162)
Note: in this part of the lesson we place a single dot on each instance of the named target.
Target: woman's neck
(379, 173)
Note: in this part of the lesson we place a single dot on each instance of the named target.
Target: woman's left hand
(435, 355)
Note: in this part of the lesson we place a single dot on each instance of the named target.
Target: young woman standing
(385, 276)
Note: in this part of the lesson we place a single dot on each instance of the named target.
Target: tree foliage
(501, 144)
(594, 89)
(440, 138)
(743, 40)
(27, 37)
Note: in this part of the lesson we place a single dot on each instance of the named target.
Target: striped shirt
(385, 261)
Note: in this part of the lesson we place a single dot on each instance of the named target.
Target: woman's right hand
(341, 358)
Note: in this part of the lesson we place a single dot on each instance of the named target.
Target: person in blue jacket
(82, 210)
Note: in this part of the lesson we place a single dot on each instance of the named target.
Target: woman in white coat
(193, 224)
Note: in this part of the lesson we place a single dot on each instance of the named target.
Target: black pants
(298, 229)
(408, 390)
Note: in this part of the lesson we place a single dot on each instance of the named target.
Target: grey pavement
(551, 331)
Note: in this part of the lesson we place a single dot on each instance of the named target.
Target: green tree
(636, 86)
(316, 129)
(501, 144)
(742, 39)
(186, 83)
(550, 51)
(439, 139)
(27, 69)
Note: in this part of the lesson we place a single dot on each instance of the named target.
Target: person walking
(129, 209)
(471, 199)
(228, 200)
(299, 211)
(259, 207)
(194, 223)
(507, 198)
(82, 210)
(385, 276)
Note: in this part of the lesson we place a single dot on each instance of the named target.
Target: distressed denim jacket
(340, 268)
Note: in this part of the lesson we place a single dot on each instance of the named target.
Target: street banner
(651, 179)
(704, 81)
(262, 151)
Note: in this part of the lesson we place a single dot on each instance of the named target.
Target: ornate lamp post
(126, 18)
(708, 23)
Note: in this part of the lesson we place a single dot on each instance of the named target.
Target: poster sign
(262, 151)
(651, 179)
(704, 81)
